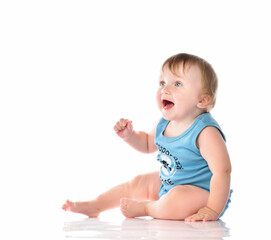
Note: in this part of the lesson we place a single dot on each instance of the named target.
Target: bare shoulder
(209, 136)
(213, 149)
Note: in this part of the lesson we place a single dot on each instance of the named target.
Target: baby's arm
(214, 151)
(141, 141)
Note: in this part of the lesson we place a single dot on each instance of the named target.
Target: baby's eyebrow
(179, 78)
(179, 75)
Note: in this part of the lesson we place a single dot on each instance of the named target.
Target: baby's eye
(162, 83)
(178, 84)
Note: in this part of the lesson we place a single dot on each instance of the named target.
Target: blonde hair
(209, 78)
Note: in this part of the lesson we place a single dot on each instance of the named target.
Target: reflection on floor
(142, 228)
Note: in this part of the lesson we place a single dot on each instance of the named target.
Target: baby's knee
(132, 186)
(138, 187)
(136, 181)
(142, 180)
(177, 192)
(145, 186)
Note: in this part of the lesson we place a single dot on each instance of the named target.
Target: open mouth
(167, 104)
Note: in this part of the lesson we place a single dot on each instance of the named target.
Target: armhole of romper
(160, 127)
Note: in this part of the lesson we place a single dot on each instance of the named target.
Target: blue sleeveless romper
(182, 163)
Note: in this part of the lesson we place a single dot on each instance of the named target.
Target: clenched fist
(124, 128)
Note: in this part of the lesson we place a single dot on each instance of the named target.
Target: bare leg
(142, 187)
(179, 203)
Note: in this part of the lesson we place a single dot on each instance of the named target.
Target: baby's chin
(166, 116)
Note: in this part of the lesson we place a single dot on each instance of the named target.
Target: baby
(193, 183)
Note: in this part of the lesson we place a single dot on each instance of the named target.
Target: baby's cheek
(158, 99)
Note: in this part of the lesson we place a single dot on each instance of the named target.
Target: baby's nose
(166, 90)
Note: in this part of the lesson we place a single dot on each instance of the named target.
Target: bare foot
(131, 208)
(86, 208)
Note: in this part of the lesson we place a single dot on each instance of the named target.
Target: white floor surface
(47, 222)
(112, 225)
(143, 229)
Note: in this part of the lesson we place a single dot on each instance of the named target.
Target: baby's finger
(193, 218)
(197, 217)
(116, 129)
(129, 125)
(118, 126)
(123, 122)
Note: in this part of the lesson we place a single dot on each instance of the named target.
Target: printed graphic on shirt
(169, 167)
(170, 164)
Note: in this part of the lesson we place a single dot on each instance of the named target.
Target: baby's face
(178, 96)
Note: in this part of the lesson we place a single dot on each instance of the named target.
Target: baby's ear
(205, 101)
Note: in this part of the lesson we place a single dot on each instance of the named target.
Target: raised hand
(124, 128)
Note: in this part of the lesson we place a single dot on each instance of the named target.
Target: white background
(70, 69)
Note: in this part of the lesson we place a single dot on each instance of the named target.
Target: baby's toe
(123, 206)
(123, 203)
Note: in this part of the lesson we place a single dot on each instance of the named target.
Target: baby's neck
(177, 127)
